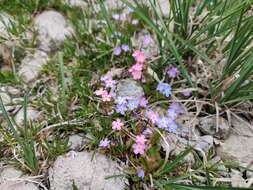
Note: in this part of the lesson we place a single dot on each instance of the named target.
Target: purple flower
(187, 93)
(143, 102)
(117, 51)
(173, 72)
(164, 89)
(147, 40)
(104, 143)
(125, 47)
(174, 110)
(147, 132)
(141, 173)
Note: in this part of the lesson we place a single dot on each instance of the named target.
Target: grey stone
(31, 66)
(85, 172)
(237, 149)
(174, 145)
(52, 29)
(207, 126)
(129, 88)
(76, 142)
(203, 143)
(241, 126)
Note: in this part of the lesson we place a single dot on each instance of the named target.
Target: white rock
(129, 88)
(5, 23)
(52, 29)
(11, 179)
(31, 66)
(32, 115)
(76, 3)
(87, 174)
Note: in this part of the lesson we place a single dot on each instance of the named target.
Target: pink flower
(139, 56)
(136, 71)
(139, 148)
(117, 125)
(140, 139)
(106, 97)
(100, 92)
(152, 116)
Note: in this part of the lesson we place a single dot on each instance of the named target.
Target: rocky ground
(216, 138)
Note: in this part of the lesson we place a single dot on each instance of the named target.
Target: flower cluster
(138, 106)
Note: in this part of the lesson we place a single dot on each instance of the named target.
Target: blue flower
(121, 108)
(141, 173)
(163, 122)
(132, 104)
(121, 100)
(172, 127)
(164, 89)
